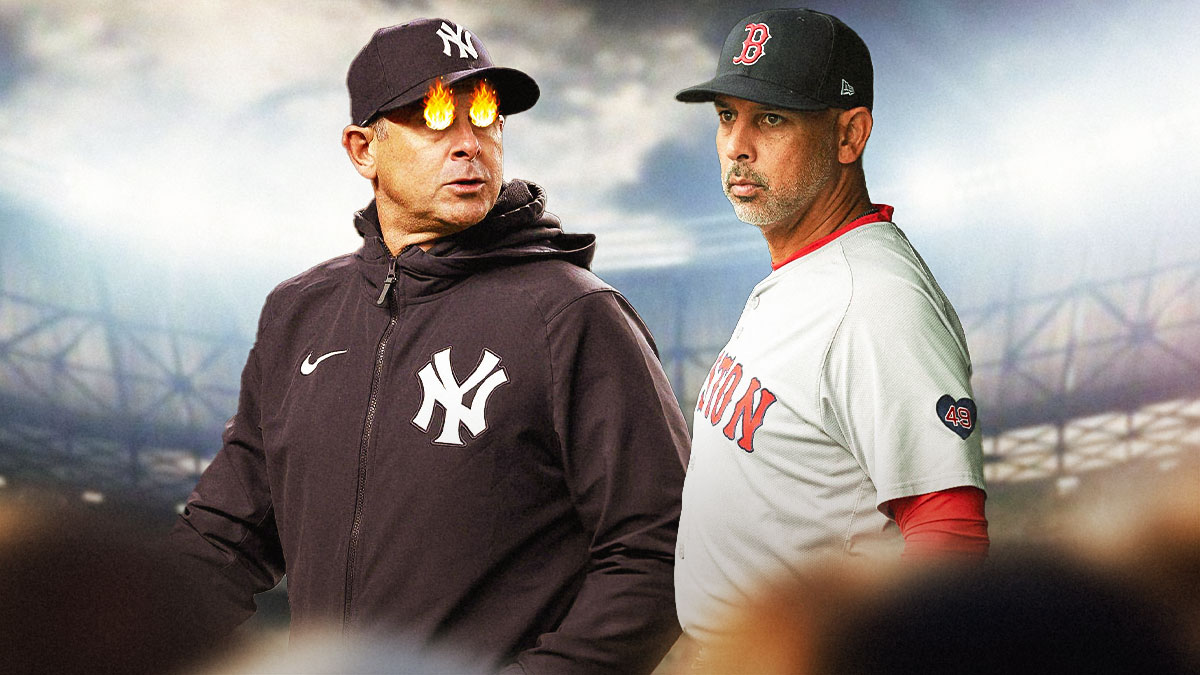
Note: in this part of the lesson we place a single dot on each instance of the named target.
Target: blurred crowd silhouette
(85, 590)
(1119, 592)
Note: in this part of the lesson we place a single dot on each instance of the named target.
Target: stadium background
(162, 166)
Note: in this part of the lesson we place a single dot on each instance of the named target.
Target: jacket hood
(517, 229)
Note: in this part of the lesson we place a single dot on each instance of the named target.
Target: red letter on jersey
(751, 417)
(731, 382)
(722, 366)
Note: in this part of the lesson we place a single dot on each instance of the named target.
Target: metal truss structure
(1090, 377)
(1083, 379)
(1063, 451)
(106, 406)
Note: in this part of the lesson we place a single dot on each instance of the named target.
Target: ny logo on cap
(461, 37)
(752, 48)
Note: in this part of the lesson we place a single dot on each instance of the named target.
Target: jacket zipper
(364, 443)
(388, 282)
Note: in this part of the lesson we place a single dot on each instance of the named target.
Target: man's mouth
(743, 182)
(743, 188)
(465, 184)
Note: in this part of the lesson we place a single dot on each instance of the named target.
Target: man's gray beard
(767, 209)
(788, 198)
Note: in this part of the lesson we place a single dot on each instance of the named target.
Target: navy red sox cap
(399, 63)
(791, 58)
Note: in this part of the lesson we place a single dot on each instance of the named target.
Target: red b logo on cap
(752, 48)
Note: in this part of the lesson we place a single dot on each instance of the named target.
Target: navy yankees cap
(791, 58)
(399, 63)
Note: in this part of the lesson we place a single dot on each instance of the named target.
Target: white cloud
(211, 128)
(614, 105)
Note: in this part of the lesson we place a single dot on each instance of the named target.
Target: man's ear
(854, 128)
(357, 142)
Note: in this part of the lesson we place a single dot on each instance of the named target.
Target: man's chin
(459, 219)
(760, 219)
(746, 211)
(466, 210)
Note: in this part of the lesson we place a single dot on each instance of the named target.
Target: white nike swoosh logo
(309, 365)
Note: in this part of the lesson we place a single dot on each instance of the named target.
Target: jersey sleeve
(943, 523)
(895, 388)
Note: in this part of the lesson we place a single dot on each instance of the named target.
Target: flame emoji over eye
(439, 106)
(484, 104)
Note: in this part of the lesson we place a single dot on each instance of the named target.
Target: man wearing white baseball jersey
(838, 420)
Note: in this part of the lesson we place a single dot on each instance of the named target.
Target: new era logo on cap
(847, 90)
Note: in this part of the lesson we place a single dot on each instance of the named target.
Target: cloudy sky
(195, 145)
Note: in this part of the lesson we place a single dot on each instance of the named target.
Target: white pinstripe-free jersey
(846, 384)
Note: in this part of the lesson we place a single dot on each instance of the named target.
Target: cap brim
(750, 89)
(517, 91)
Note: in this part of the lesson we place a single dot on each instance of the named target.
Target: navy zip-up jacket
(473, 448)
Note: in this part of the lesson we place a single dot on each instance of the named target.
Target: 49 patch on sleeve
(958, 416)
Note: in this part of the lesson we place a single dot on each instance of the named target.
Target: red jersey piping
(882, 215)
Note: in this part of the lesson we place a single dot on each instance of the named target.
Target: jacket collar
(517, 229)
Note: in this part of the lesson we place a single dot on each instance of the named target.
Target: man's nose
(465, 143)
(738, 142)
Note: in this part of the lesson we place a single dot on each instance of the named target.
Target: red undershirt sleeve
(943, 523)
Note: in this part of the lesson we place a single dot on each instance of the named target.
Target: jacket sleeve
(225, 546)
(625, 446)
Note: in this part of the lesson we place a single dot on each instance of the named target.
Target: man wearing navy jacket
(458, 434)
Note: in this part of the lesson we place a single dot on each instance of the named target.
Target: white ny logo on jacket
(437, 380)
